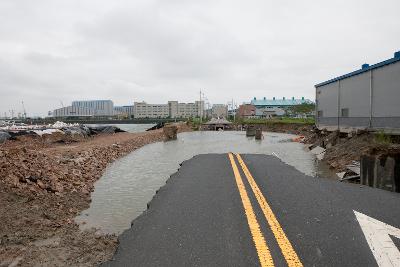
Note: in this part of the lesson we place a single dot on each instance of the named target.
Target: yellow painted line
(287, 249)
(264, 255)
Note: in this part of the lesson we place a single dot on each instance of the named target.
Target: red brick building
(246, 111)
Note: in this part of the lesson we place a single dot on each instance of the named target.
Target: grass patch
(383, 138)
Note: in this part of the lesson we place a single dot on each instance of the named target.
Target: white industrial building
(86, 108)
(100, 107)
(173, 109)
(73, 111)
(368, 98)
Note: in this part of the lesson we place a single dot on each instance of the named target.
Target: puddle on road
(130, 183)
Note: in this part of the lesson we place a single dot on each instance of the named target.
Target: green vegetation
(302, 108)
(196, 122)
(383, 138)
(283, 120)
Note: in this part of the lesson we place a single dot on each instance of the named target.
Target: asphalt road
(254, 210)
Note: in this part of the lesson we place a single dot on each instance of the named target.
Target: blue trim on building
(362, 70)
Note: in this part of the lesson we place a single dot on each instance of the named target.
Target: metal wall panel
(386, 122)
(327, 97)
(362, 122)
(354, 95)
(386, 91)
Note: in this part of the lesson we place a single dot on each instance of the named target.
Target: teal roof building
(282, 103)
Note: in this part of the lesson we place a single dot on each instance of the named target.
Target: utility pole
(200, 113)
(24, 110)
(233, 111)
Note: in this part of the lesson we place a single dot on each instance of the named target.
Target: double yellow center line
(263, 252)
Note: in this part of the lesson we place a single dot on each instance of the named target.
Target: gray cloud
(157, 50)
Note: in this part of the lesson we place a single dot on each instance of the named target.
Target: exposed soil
(343, 148)
(44, 183)
(290, 128)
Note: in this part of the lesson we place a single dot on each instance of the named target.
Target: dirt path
(44, 184)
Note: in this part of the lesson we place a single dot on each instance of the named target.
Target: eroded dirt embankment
(44, 184)
(341, 148)
(344, 148)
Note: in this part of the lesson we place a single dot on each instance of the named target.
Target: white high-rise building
(186, 110)
(173, 109)
(144, 110)
(219, 111)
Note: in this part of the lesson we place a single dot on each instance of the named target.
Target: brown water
(130, 183)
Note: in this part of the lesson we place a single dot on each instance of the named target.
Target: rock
(56, 187)
(259, 134)
(14, 180)
(317, 150)
(41, 184)
(33, 178)
(4, 137)
(170, 132)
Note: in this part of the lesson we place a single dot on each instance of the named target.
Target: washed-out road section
(265, 213)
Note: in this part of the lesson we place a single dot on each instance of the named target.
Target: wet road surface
(254, 210)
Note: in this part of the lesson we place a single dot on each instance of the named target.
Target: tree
(302, 108)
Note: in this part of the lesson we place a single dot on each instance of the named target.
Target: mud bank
(344, 148)
(289, 128)
(44, 184)
(341, 148)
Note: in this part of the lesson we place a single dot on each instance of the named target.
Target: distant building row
(106, 108)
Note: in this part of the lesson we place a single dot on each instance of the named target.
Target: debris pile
(157, 126)
(45, 184)
(59, 132)
(342, 151)
(4, 136)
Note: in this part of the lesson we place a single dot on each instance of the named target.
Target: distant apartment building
(144, 110)
(173, 109)
(246, 111)
(124, 110)
(219, 111)
(186, 110)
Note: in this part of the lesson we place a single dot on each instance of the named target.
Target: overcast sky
(54, 51)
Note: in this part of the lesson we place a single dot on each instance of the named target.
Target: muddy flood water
(129, 184)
